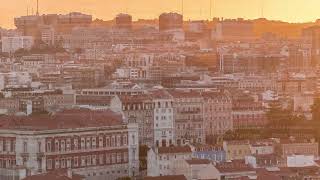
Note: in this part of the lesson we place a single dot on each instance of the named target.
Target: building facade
(95, 144)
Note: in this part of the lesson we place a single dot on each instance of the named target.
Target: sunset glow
(298, 11)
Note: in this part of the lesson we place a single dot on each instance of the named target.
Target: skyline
(298, 11)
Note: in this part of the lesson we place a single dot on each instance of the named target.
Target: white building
(196, 169)
(94, 144)
(14, 79)
(162, 161)
(164, 133)
(12, 44)
(300, 160)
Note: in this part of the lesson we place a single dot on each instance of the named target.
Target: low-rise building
(140, 109)
(164, 132)
(217, 109)
(233, 170)
(188, 117)
(92, 144)
(162, 159)
(292, 146)
(209, 152)
(236, 150)
(196, 169)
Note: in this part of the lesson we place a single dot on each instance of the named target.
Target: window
(25, 147)
(113, 158)
(49, 164)
(108, 159)
(89, 160)
(76, 162)
(125, 140)
(118, 157)
(88, 144)
(68, 144)
(63, 163)
(94, 160)
(83, 161)
(69, 163)
(118, 140)
(112, 141)
(57, 164)
(75, 144)
(39, 146)
(56, 146)
(100, 142)
(101, 159)
(125, 157)
(108, 142)
(49, 146)
(63, 145)
(82, 143)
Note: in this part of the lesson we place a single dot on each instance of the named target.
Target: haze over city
(159, 90)
(285, 10)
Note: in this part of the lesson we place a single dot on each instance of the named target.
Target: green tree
(279, 117)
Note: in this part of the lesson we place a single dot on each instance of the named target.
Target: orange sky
(287, 10)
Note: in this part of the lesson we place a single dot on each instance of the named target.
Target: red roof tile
(55, 175)
(234, 166)
(198, 161)
(76, 118)
(174, 149)
(173, 177)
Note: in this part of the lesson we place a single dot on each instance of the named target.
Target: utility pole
(210, 9)
(182, 7)
(37, 7)
(262, 9)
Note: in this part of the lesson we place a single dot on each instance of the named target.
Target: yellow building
(236, 150)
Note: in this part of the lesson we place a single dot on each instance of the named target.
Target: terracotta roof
(184, 94)
(93, 100)
(134, 98)
(75, 118)
(55, 175)
(198, 161)
(268, 177)
(238, 142)
(160, 94)
(173, 177)
(234, 166)
(174, 149)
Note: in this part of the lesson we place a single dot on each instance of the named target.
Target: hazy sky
(287, 10)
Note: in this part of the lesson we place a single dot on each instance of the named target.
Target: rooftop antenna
(37, 7)
(262, 9)
(210, 10)
(182, 7)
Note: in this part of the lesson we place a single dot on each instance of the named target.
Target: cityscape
(164, 98)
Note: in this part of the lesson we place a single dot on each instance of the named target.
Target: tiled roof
(93, 100)
(160, 94)
(134, 98)
(234, 166)
(198, 161)
(75, 118)
(55, 175)
(238, 142)
(268, 177)
(174, 149)
(184, 94)
(173, 177)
